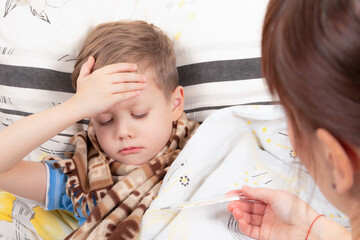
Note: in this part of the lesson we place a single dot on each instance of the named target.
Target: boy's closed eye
(140, 116)
(104, 119)
(108, 121)
(105, 122)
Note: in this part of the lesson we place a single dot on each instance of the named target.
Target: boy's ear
(342, 161)
(177, 102)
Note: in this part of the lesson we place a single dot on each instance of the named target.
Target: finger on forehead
(126, 87)
(126, 77)
(119, 67)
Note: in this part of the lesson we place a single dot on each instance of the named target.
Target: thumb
(86, 67)
(264, 195)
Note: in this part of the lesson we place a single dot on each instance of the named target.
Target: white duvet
(233, 146)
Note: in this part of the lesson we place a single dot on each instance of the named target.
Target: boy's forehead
(129, 104)
(136, 101)
(149, 95)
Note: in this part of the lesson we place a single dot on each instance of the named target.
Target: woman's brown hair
(311, 62)
(131, 42)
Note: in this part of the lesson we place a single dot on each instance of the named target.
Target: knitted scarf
(122, 192)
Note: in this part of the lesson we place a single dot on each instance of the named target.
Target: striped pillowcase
(29, 85)
(208, 86)
(213, 85)
(217, 47)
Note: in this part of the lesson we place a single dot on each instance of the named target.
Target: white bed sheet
(234, 146)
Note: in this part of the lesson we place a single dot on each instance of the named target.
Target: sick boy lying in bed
(127, 84)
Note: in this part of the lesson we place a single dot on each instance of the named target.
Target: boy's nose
(124, 132)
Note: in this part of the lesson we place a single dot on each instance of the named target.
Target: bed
(242, 138)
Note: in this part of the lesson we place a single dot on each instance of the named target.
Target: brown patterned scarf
(122, 192)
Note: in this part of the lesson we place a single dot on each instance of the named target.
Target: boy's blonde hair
(131, 42)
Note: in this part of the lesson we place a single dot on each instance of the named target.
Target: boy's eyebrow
(104, 114)
(136, 103)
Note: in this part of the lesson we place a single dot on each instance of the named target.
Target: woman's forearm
(325, 228)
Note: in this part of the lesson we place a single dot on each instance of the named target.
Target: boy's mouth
(130, 150)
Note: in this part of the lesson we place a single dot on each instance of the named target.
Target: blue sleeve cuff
(56, 197)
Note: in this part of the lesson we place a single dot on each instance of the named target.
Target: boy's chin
(132, 162)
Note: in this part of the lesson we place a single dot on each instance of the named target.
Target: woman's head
(311, 62)
(132, 42)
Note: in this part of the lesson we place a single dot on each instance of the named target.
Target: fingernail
(144, 85)
(144, 78)
(134, 66)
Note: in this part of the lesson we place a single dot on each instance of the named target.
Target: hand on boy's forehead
(134, 106)
(147, 98)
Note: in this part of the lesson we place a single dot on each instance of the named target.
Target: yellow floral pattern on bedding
(27, 220)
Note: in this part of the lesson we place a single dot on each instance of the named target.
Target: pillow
(217, 45)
